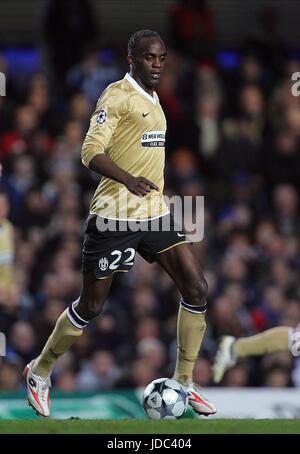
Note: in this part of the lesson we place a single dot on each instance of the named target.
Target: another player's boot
(198, 402)
(225, 358)
(38, 391)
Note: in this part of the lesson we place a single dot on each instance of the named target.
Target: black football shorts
(110, 246)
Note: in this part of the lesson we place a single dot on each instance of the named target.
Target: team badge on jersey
(101, 117)
(103, 264)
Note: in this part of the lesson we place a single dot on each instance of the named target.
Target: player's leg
(68, 328)
(230, 350)
(179, 262)
(72, 321)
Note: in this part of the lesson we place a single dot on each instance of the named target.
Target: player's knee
(195, 292)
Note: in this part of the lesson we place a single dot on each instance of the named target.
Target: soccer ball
(165, 398)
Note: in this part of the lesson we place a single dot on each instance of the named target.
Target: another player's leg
(225, 358)
(68, 328)
(230, 350)
(181, 265)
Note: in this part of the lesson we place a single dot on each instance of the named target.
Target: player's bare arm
(104, 165)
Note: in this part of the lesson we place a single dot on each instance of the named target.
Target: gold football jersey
(128, 125)
(6, 255)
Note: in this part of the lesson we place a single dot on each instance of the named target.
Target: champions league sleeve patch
(101, 117)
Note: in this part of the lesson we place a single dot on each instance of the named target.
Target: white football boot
(38, 391)
(224, 359)
(198, 402)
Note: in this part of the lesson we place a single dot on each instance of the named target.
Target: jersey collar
(139, 88)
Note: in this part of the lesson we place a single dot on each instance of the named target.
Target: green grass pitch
(137, 426)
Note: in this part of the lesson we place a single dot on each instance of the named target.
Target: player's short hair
(136, 37)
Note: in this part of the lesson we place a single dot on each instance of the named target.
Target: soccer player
(274, 340)
(125, 144)
(7, 284)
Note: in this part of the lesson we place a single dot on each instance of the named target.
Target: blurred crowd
(233, 137)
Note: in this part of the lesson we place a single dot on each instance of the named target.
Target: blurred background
(233, 136)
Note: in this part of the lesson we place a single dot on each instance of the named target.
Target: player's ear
(130, 59)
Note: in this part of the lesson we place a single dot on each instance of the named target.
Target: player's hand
(140, 186)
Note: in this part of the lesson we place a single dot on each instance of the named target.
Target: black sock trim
(74, 318)
(193, 309)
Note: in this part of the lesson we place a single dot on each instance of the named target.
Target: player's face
(148, 62)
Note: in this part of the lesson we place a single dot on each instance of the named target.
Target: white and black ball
(165, 398)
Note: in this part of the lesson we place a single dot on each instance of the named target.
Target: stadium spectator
(192, 28)
(100, 373)
(75, 32)
(7, 253)
(10, 375)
